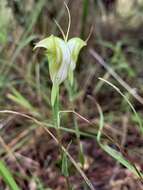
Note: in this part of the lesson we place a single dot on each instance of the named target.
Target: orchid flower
(62, 55)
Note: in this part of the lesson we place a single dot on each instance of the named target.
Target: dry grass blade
(11, 154)
(100, 60)
(73, 162)
(55, 139)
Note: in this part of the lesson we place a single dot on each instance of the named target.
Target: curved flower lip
(62, 56)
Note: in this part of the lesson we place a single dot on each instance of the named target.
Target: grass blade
(84, 16)
(112, 152)
(7, 176)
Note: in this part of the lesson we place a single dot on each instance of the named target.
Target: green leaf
(120, 158)
(6, 17)
(7, 176)
(65, 171)
(18, 98)
(112, 152)
(81, 155)
(71, 77)
(54, 93)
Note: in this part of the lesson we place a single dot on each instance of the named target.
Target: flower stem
(71, 97)
(56, 121)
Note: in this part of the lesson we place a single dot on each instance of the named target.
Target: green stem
(56, 121)
(84, 17)
(68, 183)
(71, 97)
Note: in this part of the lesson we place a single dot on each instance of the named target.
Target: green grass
(115, 154)
(5, 173)
(25, 87)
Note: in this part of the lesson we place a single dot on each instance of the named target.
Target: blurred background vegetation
(117, 38)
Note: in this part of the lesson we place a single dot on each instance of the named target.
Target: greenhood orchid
(62, 56)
